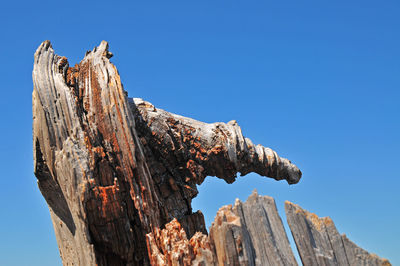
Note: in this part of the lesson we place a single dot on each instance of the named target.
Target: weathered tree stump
(119, 174)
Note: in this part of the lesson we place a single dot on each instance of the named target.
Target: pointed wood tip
(101, 50)
(43, 47)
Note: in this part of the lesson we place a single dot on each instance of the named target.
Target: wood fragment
(319, 242)
(251, 233)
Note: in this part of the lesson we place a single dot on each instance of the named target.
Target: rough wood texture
(88, 160)
(113, 170)
(251, 233)
(170, 246)
(181, 152)
(119, 176)
(319, 243)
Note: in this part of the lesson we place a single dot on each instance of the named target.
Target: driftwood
(319, 242)
(119, 175)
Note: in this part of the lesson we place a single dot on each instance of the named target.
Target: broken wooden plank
(319, 242)
(251, 233)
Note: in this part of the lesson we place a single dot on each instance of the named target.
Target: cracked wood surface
(251, 233)
(319, 242)
(112, 171)
(119, 176)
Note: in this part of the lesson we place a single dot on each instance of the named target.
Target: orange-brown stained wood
(115, 170)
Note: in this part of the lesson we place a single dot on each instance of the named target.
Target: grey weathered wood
(57, 172)
(223, 150)
(359, 256)
(319, 242)
(119, 176)
(182, 152)
(114, 171)
(337, 243)
(251, 233)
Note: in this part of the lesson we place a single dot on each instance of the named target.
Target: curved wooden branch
(116, 171)
(216, 149)
(119, 176)
(113, 170)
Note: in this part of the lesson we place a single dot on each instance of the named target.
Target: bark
(119, 176)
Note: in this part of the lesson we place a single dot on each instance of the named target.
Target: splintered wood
(119, 176)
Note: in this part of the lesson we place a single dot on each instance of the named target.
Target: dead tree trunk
(113, 170)
(119, 174)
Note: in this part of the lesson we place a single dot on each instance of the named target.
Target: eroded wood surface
(251, 233)
(113, 171)
(319, 242)
(119, 176)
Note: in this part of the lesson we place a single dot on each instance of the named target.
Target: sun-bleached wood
(319, 242)
(119, 176)
(113, 169)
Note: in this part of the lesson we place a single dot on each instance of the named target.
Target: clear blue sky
(318, 81)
